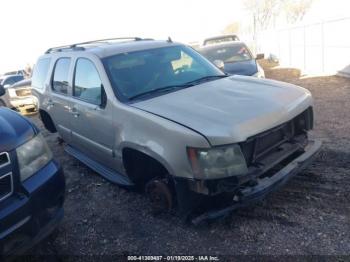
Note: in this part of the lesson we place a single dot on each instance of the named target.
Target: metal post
(322, 46)
(290, 46)
(304, 28)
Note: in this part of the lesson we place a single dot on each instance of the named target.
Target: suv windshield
(164, 69)
(228, 53)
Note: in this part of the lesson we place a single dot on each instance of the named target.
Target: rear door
(92, 128)
(59, 102)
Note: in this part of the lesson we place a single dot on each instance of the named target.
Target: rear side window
(87, 82)
(40, 73)
(60, 76)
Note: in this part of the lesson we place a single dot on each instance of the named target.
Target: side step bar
(106, 172)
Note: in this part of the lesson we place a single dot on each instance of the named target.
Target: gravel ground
(309, 216)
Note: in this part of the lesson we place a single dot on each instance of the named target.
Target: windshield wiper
(164, 89)
(170, 88)
(205, 79)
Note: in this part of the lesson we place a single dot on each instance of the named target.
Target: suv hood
(231, 109)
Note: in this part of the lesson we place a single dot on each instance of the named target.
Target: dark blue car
(32, 185)
(233, 58)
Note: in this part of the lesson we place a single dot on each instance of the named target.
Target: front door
(92, 125)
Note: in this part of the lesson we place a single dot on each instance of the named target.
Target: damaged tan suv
(159, 116)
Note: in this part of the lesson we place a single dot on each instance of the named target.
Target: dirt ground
(309, 216)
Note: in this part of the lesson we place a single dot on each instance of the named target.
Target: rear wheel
(47, 121)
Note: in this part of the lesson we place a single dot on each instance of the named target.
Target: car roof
(105, 49)
(14, 129)
(223, 44)
(220, 37)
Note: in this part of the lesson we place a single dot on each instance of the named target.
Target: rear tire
(47, 121)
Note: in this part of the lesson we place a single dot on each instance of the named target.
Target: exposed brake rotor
(160, 196)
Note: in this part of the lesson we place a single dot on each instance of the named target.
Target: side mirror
(2, 90)
(260, 56)
(219, 64)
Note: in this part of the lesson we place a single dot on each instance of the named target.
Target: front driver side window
(87, 82)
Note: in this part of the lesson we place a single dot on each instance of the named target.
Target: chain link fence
(322, 47)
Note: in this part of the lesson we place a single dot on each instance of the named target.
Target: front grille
(6, 186)
(4, 159)
(260, 145)
(23, 92)
(6, 183)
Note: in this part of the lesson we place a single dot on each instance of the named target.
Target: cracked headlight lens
(32, 156)
(217, 162)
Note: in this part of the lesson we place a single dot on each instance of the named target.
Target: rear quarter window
(40, 72)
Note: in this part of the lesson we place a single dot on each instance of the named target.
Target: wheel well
(46, 119)
(141, 168)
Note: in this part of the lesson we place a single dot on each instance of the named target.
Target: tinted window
(87, 82)
(228, 54)
(13, 79)
(40, 73)
(60, 77)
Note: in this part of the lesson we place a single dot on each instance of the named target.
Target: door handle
(50, 103)
(74, 112)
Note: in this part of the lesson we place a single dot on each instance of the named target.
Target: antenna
(169, 40)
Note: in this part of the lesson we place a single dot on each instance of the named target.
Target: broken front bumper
(244, 194)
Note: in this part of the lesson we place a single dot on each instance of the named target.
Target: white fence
(315, 48)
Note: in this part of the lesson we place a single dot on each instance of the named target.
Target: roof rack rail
(78, 47)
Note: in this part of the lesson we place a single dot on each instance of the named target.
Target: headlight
(12, 92)
(32, 156)
(217, 162)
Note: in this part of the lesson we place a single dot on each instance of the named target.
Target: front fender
(159, 138)
(151, 152)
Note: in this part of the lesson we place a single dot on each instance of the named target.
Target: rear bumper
(32, 214)
(261, 187)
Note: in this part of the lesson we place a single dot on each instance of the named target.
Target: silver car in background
(18, 94)
(159, 116)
